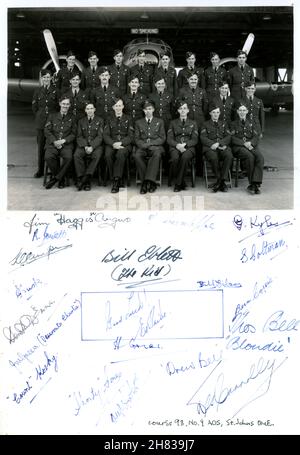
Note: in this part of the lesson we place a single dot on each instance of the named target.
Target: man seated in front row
(245, 139)
(215, 137)
(89, 150)
(182, 138)
(60, 132)
(118, 136)
(150, 136)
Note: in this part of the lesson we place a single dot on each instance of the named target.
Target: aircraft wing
(21, 89)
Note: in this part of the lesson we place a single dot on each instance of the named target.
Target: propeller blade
(51, 46)
(248, 43)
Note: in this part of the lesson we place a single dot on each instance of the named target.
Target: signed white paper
(150, 323)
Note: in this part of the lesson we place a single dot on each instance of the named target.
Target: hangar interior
(202, 30)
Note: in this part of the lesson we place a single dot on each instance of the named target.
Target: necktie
(224, 100)
(191, 68)
(183, 122)
(141, 68)
(149, 121)
(104, 88)
(133, 95)
(216, 70)
(90, 120)
(93, 70)
(251, 99)
(242, 68)
(193, 90)
(166, 70)
(118, 67)
(216, 123)
(63, 117)
(243, 122)
(160, 93)
(75, 93)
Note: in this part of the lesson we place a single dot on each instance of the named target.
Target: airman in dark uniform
(182, 139)
(150, 136)
(44, 102)
(143, 72)
(119, 73)
(134, 100)
(168, 73)
(103, 96)
(163, 101)
(90, 75)
(189, 70)
(245, 139)
(89, 140)
(196, 99)
(225, 103)
(215, 137)
(239, 76)
(78, 98)
(213, 76)
(118, 137)
(255, 107)
(66, 73)
(60, 132)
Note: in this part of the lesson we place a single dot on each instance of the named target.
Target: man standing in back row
(239, 76)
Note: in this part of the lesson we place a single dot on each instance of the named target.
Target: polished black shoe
(177, 188)
(183, 185)
(251, 189)
(87, 185)
(82, 182)
(116, 186)
(51, 183)
(223, 187)
(61, 184)
(256, 190)
(143, 189)
(38, 174)
(216, 187)
(152, 187)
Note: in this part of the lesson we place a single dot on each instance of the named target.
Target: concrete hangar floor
(27, 193)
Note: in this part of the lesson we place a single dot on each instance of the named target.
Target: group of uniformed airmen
(117, 110)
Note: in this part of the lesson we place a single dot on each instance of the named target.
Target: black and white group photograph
(190, 106)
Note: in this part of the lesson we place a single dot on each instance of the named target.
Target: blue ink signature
(218, 284)
(28, 289)
(27, 257)
(219, 392)
(277, 322)
(265, 249)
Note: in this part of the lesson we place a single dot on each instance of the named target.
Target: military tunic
(44, 102)
(197, 102)
(133, 105)
(221, 160)
(227, 108)
(104, 100)
(117, 129)
(57, 128)
(144, 74)
(170, 77)
(78, 103)
(238, 79)
(181, 132)
(212, 79)
(163, 106)
(186, 72)
(119, 77)
(253, 160)
(89, 134)
(62, 80)
(149, 139)
(90, 78)
(256, 111)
